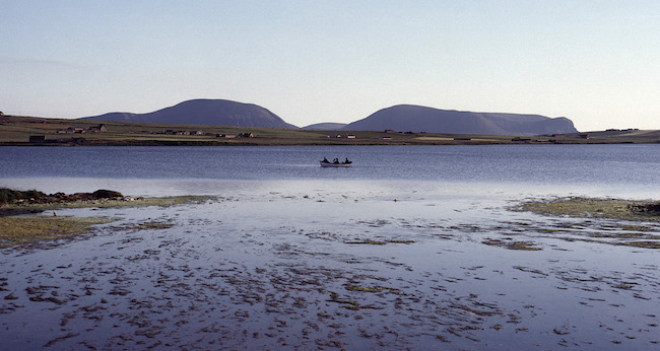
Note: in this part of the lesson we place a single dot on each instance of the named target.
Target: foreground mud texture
(321, 270)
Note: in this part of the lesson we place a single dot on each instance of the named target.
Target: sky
(596, 62)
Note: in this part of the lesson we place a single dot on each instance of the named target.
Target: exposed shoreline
(20, 223)
(346, 270)
(33, 201)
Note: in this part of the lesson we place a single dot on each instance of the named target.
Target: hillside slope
(326, 126)
(425, 119)
(205, 112)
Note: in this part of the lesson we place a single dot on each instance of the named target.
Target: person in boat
(325, 160)
(347, 161)
(336, 161)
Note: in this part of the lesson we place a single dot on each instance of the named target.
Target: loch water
(410, 248)
(629, 171)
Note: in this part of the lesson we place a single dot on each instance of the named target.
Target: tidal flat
(337, 265)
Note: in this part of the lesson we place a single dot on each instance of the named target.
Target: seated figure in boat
(347, 161)
(336, 161)
(325, 160)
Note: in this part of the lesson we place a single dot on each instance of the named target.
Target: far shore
(32, 131)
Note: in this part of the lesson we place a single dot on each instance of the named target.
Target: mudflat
(291, 265)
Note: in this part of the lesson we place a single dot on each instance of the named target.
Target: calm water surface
(600, 170)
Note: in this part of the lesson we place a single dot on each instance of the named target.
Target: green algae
(152, 225)
(16, 230)
(354, 305)
(642, 244)
(373, 289)
(348, 304)
(401, 241)
(583, 207)
(24, 230)
(615, 221)
(365, 242)
(512, 245)
(623, 286)
(376, 242)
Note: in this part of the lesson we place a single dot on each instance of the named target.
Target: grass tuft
(22, 230)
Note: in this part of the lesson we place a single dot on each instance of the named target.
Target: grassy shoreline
(616, 222)
(16, 131)
(583, 207)
(17, 202)
(26, 230)
(20, 209)
(19, 225)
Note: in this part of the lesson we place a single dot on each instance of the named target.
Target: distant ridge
(326, 126)
(413, 118)
(205, 112)
(426, 119)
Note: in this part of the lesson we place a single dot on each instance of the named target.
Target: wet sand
(287, 265)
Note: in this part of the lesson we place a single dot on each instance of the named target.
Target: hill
(205, 112)
(326, 126)
(425, 119)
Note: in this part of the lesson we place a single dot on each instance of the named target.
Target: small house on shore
(72, 130)
(227, 136)
(98, 129)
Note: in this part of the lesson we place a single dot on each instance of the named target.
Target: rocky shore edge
(17, 197)
(15, 202)
(21, 226)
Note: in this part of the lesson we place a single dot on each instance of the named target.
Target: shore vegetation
(24, 230)
(18, 130)
(583, 207)
(20, 224)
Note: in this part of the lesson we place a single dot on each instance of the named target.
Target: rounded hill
(205, 112)
(425, 119)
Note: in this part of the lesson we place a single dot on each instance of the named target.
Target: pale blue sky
(595, 62)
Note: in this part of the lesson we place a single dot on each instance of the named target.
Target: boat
(335, 163)
(332, 164)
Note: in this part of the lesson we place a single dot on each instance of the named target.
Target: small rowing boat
(335, 163)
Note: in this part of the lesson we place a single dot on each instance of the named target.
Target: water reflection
(596, 170)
